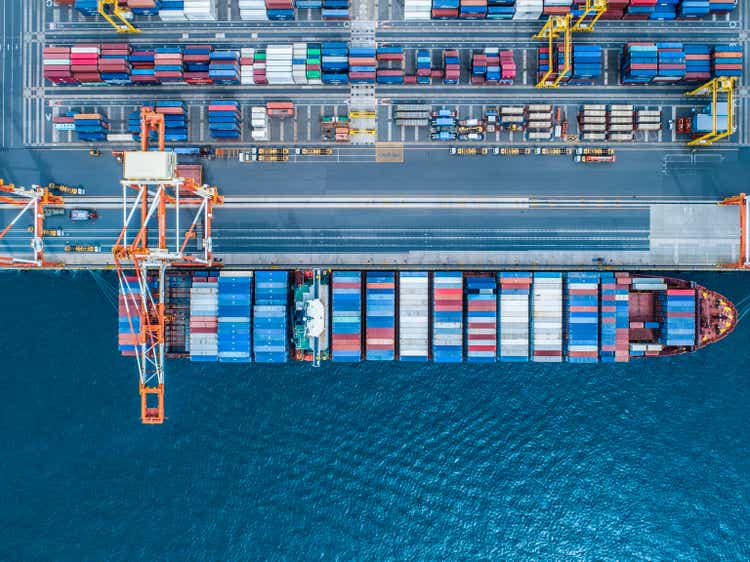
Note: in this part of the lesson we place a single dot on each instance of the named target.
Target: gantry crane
(743, 260)
(565, 26)
(552, 29)
(116, 16)
(590, 14)
(719, 85)
(32, 200)
(141, 266)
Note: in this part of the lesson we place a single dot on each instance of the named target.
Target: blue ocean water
(649, 460)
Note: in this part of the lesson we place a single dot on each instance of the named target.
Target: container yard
(350, 181)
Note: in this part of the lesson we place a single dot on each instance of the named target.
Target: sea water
(389, 461)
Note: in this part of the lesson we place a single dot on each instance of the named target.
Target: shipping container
(270, 317)
(235, 316)
(547, 317)
(346, 326)
(414, 316)
(481, 317)
(380, 323)
(447, 317)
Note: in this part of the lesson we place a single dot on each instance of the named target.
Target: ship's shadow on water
(373, 461)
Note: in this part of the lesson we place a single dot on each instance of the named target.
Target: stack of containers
(224, 119)
(346, 337)
(648, 120)
(548, 317)
(128, 316)
(622, 298)
(697, 63)
(335, 10)
(168, 64)
(390, 60)
(424, 66)
(175, 119)
(447, 317)
(247, 55)
(142, 65)
(56, 65)
(478, 68)
(592, 122)
(113, 63)
(177, 330)
(640, 9)
(694, 8)
(666, 9)
(639, 63)
(299, 63)
(235, 309)
(91, 127)
(64, 122)
(279, 64)
(224, 67)
(556, 7)
(172, 10)
(587, 64)
(614, 340)
(678, 313)
(196, 59)
(539, 123)
(144, 7)
(380, 323)
(413, 316)
(204, 310)
(472, 9)
(620, 125)
(445, 9)
(270, 334)
(308, 4)
(259, 123)
(253, 10)
(507, 68)
(481, 318)
(671, 62)
(259, 67)
(451, 66)
(726, 60)
(583, 317)
(200, 10)
(84, 62)
(86, 7)
(417, 9)
(500, 9)
(362, 63)
(492, 55)
(515, 287)
(615, 9)
(608, 329)
(313, 64)
(528, 9)
(335, 63)
(722, 6)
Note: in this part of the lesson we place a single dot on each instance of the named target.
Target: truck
(56, 232)
(68, 190)
(83, 248)
(82, 215)
(591, 159)
(53, 211)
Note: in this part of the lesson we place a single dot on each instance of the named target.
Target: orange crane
(141, 267)
(32, 200)
(743, 261)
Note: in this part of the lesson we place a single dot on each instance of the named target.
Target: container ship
(318, 315)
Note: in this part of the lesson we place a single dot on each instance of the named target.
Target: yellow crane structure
(564, 26)
(592, 11)
(718, 88)
(116, 16)
(553, 28)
